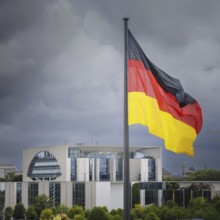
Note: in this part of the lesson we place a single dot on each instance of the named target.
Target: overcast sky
(61, 71)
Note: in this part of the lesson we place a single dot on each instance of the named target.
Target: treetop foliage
(205, 175)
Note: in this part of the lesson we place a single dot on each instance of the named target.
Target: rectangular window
(119, 176)
(91, 164)
(18, 192)
(207, 194)
(151, 170)
(151, 197)
(104, 174)
(54, 193)
(73, 169)
(74, 153)
(79, 194)
(32, 193)
(179, 197)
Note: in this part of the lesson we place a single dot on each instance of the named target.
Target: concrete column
(144, 170)
(10, 194)
(43, 188)
(66, 194)
(142, 197)
(97, 169)
(113, 170)
(25, 194)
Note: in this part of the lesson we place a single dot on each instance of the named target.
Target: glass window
(73, 169)
(151, 170)
(79, 193)
(55, 193)
(151, 197)
(179, 197)
(119, 176)
(32, 193)
(44, 166)
(74, 153)
(104, 174)
(19, 193)
(207, 194)
(91, 164)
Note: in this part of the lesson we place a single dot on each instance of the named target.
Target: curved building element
(44, 166)
(46, 163)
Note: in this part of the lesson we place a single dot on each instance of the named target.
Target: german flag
(158, 101)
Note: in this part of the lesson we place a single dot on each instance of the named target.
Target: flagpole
(127, 190)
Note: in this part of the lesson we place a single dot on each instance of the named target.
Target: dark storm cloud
(61, 70)
(18, 16)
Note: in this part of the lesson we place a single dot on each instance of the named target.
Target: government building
(85, 175)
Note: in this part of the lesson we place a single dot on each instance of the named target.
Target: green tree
(75, 210)
(137, 212)
(135, 194)
(98, 213)
(176, 213)
(42, 202)
(9, 177)
(18, 178)
(197, 203)
(64, 217)
(151, 216)
(116, 217)
(79, 217)
(153, 208)
(205, 175)
(117, 214)
(8, 213)
(60, 209)
(47, 214)
(19, 211)
(30, 213)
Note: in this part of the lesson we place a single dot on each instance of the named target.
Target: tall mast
(127, 190)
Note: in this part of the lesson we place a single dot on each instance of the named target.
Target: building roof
(166, 172)
(114, 149)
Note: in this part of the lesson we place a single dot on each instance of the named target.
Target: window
(91, 165)
(74, 153)
(32, 193)
(104, 174)
(73, 169)
(79, 194)
(207, 194)
(119, 176)
(54, 188)
(151, 170)
(19, 193)
(151, 197)
(44, 166)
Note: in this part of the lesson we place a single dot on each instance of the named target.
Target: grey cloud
(61, 70)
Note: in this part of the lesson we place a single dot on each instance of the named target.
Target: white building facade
(6, 168)
(85, 175)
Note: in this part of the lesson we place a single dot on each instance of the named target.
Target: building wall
(103, 194)
(6, 168)
(60, 153)
(117, 195)
(82, 169)
(24, 194)
(10, 194)
(135, 169)
(107, 193)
